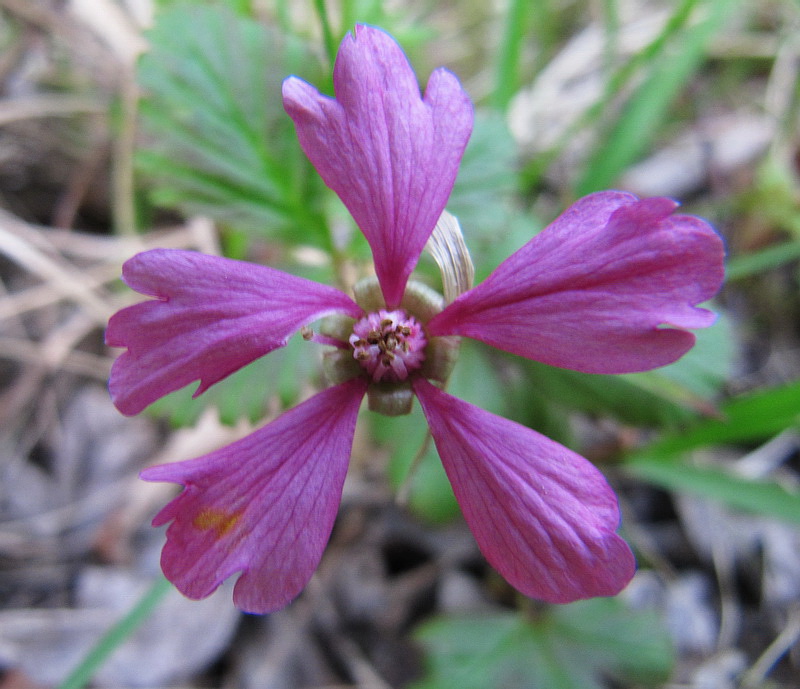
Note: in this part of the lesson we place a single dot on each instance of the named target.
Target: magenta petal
(391, 156)
(211, 316)
(264, 505)
(593, 290)
(543, 516)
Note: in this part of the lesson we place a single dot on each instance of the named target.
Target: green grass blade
(611, 30)
(766, 498)
(750, 418)
(507, 79)
(327, 32)
(747, 265)
(115, 636)
(618, 80)
(635, 129)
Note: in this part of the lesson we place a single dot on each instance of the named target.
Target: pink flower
(610, 287)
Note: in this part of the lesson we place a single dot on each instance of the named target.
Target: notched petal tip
(594, 291)
(264, 505)
(644, 211)
(211, 316)
(390, 155)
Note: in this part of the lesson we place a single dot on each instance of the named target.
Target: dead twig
(48, 105)
(790, 635)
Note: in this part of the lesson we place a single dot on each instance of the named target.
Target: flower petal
(264, 505)
(592, 290)
(211, 316)
(543, 516)
(391, 156)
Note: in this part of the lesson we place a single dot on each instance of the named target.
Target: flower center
(389, 345)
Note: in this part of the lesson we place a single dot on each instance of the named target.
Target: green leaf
(767, 498)
(630, 645)
(218, 139)
(475, 379)
(616, 396)
(507, 73)
(247, 392)
(750, 418)
(490, 250)
(486, 184)
(747, 265)
(430, 494)
(670, 396)
(327, 32)
(566, 647)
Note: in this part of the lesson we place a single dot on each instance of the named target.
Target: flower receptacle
(390, 399)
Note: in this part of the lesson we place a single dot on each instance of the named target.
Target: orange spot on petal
(219, 520)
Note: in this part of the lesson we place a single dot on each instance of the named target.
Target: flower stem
(404, 491)
(116, 635)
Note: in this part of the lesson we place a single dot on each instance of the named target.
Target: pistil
(389, 345)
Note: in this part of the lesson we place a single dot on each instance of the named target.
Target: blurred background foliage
(696, 99)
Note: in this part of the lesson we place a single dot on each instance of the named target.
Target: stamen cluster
(389, 345)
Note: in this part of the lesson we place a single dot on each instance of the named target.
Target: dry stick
(30, 248)
(13, 109)
(67, 282)
(109, 248)
(404, 491)
(780, 93)
(730, 612)
(113, 251)
(756, 675)
(40, 296)
(82, 363)
(64, 277)
(33, 247)
(203, 234)
(107, 20)
(53, 351)
(34, 13)
(124, 145)
(57, 520)
(118, 31)
(347, 652)
(15, 326)
(644, 542)
(767, 458)
(80, 182)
